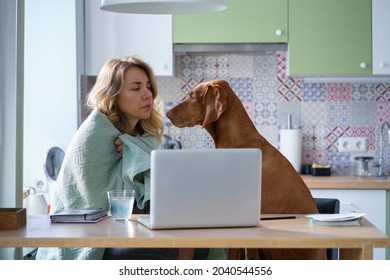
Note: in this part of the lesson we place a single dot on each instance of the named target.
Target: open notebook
(204, 188)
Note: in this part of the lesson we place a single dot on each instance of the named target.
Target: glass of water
(121, 204)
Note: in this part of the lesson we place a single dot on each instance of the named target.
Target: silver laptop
(204, 188)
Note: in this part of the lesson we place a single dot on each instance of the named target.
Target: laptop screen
(205, 188)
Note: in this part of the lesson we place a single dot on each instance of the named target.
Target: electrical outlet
(352, 144)
(39, 185)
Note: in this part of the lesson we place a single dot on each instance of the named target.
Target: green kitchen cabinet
(244, 21)
(329, 37)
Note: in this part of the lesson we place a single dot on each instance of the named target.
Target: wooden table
(356, 242)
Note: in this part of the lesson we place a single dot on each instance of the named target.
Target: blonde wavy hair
(104, 96)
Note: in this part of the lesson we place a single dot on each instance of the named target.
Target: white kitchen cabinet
(109, 35)
(381, 37)
(369, 201)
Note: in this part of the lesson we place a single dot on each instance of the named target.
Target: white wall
(50, 99)
(109, 35)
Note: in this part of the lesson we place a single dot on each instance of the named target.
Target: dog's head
(202, 106)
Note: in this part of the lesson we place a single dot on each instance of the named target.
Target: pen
(278, 218)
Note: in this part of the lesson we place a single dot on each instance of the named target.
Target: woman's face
(135, 98)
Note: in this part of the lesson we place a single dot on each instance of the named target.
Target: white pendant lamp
(163, 6)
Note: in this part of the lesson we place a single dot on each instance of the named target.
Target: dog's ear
(215, 103)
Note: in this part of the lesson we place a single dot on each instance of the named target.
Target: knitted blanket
(91, 167)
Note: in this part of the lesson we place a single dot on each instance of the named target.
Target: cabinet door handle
(279, 32)
(382, 64)
(363, 65)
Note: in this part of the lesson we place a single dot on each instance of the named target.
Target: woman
(125, 91)
(124, 103)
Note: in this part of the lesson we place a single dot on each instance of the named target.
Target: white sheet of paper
(336, 217)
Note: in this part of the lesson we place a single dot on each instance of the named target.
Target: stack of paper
(344, 219)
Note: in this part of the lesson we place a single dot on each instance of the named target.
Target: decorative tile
(362, 113)
(168, 106)
(270, 133)
(338, 114)
(281, 63)
(316, 144)
(382, 112)
(243, 87)
(174, 132)
(314, 92)
(382, 92)
(265, 65)
(338, 92)
(364, 131)
(320, 157)
(169, 89)
(192, 137)
(320, 140)
(265, 113)
(289, 89)
(186, 85)
(248, 105)
(335, 157)
(363, 92)
(265, 89)
(308, 138)
(207, 140)
(190, 66)
(308, 157)
(313, 113)
(285, 108)
(333, 136)
(241, 66)
(217, 67)
(340, 163)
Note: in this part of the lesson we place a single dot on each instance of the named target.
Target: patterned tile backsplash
(324, 111)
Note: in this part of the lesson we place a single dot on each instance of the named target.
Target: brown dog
(216, 107)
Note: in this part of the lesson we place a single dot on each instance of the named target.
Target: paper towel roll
(291, 146)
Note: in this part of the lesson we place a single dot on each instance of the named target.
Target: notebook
(89, 215)
(204, 188)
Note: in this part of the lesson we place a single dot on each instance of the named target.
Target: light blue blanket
(91, 167)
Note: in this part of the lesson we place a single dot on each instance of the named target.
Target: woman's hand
(119, 146)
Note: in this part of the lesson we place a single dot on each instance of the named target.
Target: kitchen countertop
(346, 182)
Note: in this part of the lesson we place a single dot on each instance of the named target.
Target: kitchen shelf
(346, 182)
